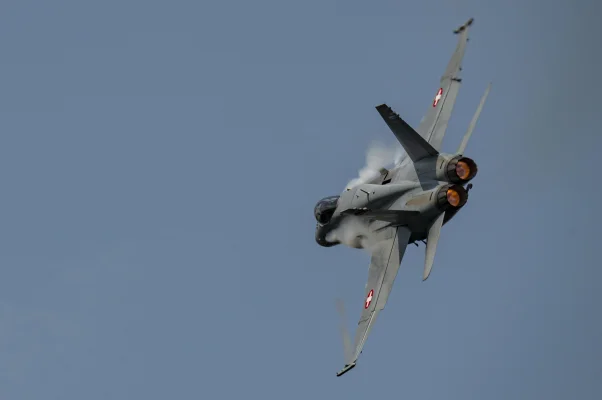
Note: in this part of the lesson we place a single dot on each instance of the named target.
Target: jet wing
(384, 264)
(433, 126)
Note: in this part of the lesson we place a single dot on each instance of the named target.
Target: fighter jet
(408, 203)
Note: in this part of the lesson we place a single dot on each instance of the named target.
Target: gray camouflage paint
(408, 203)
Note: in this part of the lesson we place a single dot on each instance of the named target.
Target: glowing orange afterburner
(453, 197)
(463, 170)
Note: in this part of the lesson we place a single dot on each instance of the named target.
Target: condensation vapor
(378, 156)
(355, 231)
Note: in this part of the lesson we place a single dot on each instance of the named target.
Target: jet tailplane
(431, 245)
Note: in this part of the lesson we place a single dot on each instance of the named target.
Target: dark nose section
(325, 208)
(321, 237)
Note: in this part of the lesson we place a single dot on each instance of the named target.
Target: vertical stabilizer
(415, 145)
(475, 118)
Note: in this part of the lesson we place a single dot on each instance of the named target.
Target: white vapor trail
(377, 156)
(354, 231)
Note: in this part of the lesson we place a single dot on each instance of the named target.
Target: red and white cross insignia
(368, 299)
(438, 97)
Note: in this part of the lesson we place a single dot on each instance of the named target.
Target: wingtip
(347, 368)
(463, 27)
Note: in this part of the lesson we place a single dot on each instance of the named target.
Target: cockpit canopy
(325, 208)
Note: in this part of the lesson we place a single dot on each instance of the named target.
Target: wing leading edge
(384, 265)
(433, 126)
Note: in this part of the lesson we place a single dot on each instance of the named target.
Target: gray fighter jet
(407, 204)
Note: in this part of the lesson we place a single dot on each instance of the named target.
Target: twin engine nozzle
(450, 197)
(460, 170)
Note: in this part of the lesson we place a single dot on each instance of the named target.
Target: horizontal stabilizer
(414, 144)
(395, 216)
(431, 245)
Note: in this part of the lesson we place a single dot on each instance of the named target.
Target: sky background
(160, 162)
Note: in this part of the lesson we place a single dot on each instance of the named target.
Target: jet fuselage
(412, 195)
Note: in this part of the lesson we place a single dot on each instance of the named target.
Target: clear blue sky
(160, 162)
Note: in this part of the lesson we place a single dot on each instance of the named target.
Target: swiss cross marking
(368, 299)
(438, 97)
